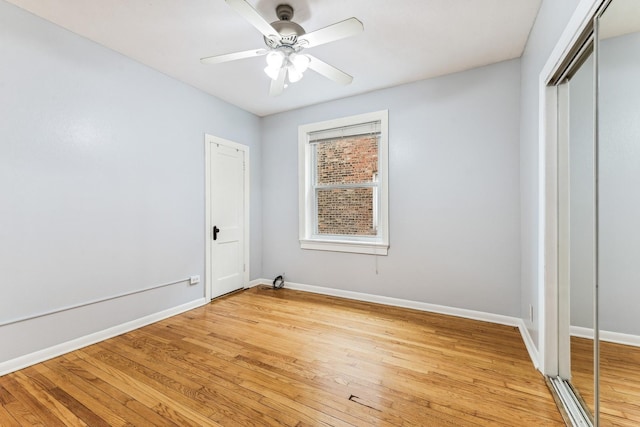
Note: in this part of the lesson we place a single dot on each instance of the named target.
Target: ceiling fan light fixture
(275, 59)
(285, 41)
(272, 72)
(299, 61)
(294, 74)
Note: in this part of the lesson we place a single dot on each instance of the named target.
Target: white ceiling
(403, 41)
(621, 17)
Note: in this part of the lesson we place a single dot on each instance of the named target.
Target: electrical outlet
(194, 280)
(530, 312)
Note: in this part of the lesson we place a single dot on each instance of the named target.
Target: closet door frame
(577, 34)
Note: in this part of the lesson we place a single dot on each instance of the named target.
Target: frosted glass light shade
(299, 61)
(295, 64)
(294, 74)
(272, 72)
(275, 59)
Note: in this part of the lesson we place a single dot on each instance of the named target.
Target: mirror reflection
(619, 213)
(581, 231)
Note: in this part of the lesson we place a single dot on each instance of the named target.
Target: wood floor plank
(186, 373)
(236, 376)
(619, 380)
(146, 395)
(35, 388)
(287, 358)
(23, 415)
(6, 399)
(132, 410)
(197, 371)
(31, 403)
(76, 397)
(6, 419)
(153, 380)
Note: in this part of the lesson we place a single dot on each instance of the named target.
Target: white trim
(78, 343)
(581, 18)
(608, 336)
(397, 302)
(305, 201)
(563, 237)
(582, 332)
(255, 282)
(416, 305)
(343, 246)
(208, 140)
(547, 179)
(529, 344)
(548, 301)
(422, 306)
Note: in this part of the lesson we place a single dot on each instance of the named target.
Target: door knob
(216, 230)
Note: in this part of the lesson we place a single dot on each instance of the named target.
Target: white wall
(454, 194)
(552, 18)
(101, 183)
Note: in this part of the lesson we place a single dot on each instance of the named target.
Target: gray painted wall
(101, 183)
(581, 127)
(619, 232)
(551, 21)
(619, 107)
(454, 194)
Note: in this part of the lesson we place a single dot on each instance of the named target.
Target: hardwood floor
(619, 380)
(582, 369)
(265, 357)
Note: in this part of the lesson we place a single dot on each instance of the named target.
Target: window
(343, 170)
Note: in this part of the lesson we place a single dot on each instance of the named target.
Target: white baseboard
(396, 302)
(529, 344)
(75, 344)
(608, 336)
(60, 349)
(422, 306)
(255, 282)
(579, 331)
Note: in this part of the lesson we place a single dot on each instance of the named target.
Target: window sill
(346, 246)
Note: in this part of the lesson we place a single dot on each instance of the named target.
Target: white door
(227, 225)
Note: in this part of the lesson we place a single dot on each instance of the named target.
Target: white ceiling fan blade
(329, 71)
(277, 85)
(233, 56)
(341, 30)
(250, 14)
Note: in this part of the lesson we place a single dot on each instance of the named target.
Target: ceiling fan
(285, 42)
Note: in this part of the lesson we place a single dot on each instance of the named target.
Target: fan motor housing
(284, 12)
(288, 30)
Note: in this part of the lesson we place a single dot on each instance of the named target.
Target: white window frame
(377, 245)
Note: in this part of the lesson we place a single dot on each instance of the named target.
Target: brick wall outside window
(346, 211)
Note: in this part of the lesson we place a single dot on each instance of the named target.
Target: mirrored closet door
(599, 221)
(576, 232)
(618, 227)
(581, 231)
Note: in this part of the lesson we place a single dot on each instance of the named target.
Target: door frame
(553, 302)
(548, 144)
(208, 141)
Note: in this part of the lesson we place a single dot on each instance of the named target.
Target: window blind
(361, 129)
